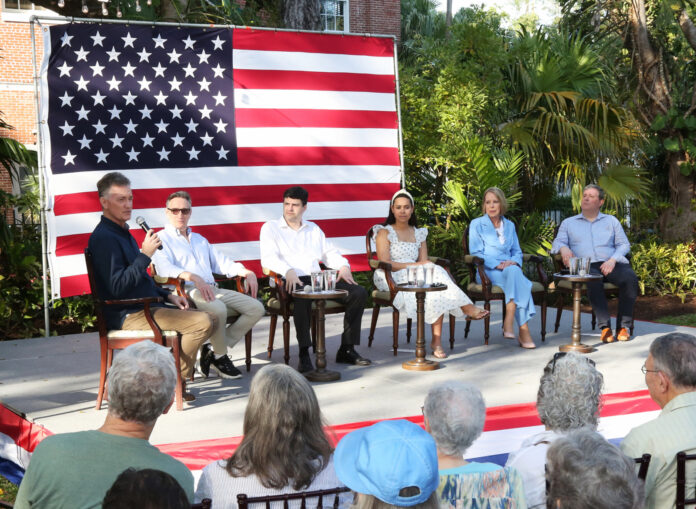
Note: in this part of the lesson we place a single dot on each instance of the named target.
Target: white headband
(402, 192)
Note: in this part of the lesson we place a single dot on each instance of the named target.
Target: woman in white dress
(401, 244)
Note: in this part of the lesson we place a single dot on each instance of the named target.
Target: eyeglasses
(176, 212)
(646, 370)
(560, 355)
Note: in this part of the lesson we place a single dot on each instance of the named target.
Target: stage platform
(54, 380)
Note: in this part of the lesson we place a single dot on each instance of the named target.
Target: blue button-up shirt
(598, 240)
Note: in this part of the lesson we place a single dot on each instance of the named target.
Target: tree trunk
(302, 14)
(677, 222)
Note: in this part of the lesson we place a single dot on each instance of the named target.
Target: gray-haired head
(141, 382)
(179, 194)
(675, 355)
(570, 392)
(600, 191)
(456, 413)
(113, 178)
(584, 471)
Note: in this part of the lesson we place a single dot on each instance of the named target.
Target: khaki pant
(194, 326)
(229, 303)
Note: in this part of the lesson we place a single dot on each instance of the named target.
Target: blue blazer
(484, 243)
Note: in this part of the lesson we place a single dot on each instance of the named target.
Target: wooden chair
(178, 285)
(206, 503)
(644, 463)
(488, 292)
(386, 298)
(563, 288)
(682, 501)
(244, 502)
(110, 340)
(281, 304)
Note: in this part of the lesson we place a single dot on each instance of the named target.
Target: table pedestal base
(420, 365)
(579, 348)
(324, 375)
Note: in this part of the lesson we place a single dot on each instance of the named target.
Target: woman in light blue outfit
(493, 238)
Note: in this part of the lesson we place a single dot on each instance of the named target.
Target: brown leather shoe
(607, 336)
(623, 334)
(189, 396)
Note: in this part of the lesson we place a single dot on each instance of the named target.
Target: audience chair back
(682, 501)
(644, 463)
(206, 503)
(325, 499)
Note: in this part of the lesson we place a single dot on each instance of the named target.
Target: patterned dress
(481, 486)
(449, 301)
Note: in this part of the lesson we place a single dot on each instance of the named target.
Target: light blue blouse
(484, 243)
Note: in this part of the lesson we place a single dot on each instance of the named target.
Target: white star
(82, 113)
(64, 69)
(147, 140)
(128, 70)
(190, 98)
(193, 153)
(114, 83)
(222, 153)
(207, 140)
(130, 126)
(205, 111)
(145, 112)
(204, 84)
(84, 142)
(69, 158)
(161, 126)
(159, 41)
(219, 99)
(164, 154)
(177, 139)
(175, 84)
(220, 125)
(189, 70)
(113, 54)
(144, 55)
(99, 127)
(66, 99)
(203, 57)
(132, 155)
(130, 98)
(81, 84)
(218, 43)
(98, 98)
(101, 156)
(192, 126)
(65, 40)
(174, 56)
(115, 112)
(96, 69)
(160, 98)
(116, 141)
(218, 71)
(67, 129)
(188, 43)
(81, 54)
(144, 83)
(128, 41)
(176, 111)
(159, 70)
(97, 38)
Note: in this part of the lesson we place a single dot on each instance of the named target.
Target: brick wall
(375, 17)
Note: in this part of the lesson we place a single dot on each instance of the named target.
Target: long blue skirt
(517, 288)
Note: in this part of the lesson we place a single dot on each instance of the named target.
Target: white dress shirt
(191, 253)
(283, 248)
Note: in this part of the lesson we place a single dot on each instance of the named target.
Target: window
(334, 15)
(22, 10)
(20, 5)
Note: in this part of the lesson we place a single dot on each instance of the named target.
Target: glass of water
(420, 276)
(330, 280)
(583, 266)
(317, 280)
(429, 274)
(411, 273)
(573, 266)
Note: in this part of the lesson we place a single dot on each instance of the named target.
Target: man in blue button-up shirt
(601, 238)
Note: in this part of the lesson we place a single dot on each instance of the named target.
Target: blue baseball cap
(385, 458)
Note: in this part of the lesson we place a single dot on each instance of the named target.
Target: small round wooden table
(320, 373)
(576, 282)
(420, 363)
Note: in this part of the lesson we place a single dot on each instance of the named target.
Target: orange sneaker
(623, 334)
(607, 336)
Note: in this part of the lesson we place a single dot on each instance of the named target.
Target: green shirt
(75, 470)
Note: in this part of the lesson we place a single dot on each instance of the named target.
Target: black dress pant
(352, 319)
(627, 281)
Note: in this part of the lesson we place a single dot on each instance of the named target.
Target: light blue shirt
(598, 240)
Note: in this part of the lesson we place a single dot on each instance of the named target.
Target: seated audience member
(454, 414)
(584, 471)
(569, 398)
(189, 256)
(389, 464)
(76, 469)
(284, 448)
(145, 489)
(670, 374)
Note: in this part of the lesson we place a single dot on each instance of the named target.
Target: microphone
(141, 222)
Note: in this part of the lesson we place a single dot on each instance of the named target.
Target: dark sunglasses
(176, 212)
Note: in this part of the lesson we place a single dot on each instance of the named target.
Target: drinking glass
(420, 276)
(330, 280)
(317, 279)
(411, 274)
(429, 274)
(573, 266)
(583, 266)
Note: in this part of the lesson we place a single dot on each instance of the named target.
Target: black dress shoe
(305, 365)
(207, 357)
(351, 357)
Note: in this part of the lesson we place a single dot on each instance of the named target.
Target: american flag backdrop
(233, 116)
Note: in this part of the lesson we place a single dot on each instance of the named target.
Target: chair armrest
(387, 268)
(176, 282)
(240, 281)
(277, 284)
(142, 300)
(538, 261)
(442, 262)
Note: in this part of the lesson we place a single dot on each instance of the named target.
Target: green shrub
(665, 269)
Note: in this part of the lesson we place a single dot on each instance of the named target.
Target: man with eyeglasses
(670, 374)
(189, 256)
